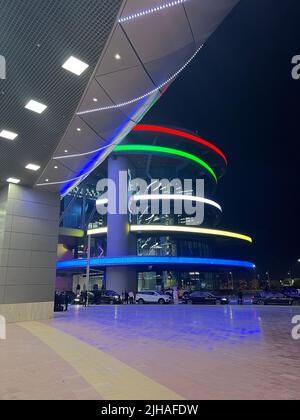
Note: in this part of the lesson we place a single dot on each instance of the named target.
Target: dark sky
(239, 94)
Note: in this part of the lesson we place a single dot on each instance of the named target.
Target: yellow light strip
(76, 233)
(187, 229)
(98, 231)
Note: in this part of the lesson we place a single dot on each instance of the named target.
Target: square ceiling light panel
(36, 106)
(75, 66)
(32, 167)
(13, 180)
(9, 135)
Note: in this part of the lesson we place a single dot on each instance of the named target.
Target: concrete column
(120, 242)
(29, 221)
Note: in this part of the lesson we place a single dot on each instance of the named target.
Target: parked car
(151, 296)
(104, 296)
(275, 298)
(204, 298)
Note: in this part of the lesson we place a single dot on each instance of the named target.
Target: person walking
(85, 298)
(126, 297)
(240, 298)
(175, 295)
(66, 300)
(131, 297)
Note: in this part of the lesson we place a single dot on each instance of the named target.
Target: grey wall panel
(43, 259)
(19, 258)
(31, 209)
(29, 276)
(4, 257)
(22, 224)
(32, 195)
(20, 241)
(39, 227)
(28, 293)
(43, 243)
(2, 293)
(28, 245)
(3, 271)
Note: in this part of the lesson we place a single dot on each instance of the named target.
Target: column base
(120, 279)
(19, 312)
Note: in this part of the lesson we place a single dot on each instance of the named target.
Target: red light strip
(178, 133)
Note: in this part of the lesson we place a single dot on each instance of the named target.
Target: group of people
(61, 301)
(128, 298)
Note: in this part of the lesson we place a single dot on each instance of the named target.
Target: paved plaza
(153, 352)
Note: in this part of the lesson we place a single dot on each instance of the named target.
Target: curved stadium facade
(174, 236)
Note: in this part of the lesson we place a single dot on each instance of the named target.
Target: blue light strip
(120, 133)
(132, 261)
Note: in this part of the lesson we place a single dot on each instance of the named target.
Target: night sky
(239, 94)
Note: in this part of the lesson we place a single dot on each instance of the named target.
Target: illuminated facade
(153, 249)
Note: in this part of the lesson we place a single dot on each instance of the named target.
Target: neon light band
(178, 229)
(133, 261)
(178, 197)
(98, 231)
(179, 133)
(165, 150)
(188, 229)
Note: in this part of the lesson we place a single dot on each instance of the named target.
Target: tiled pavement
(169, 352)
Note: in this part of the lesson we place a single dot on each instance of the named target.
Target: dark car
(275, 298)
(104, 296)
(204, 298)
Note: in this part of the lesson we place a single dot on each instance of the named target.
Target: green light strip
(165, 150)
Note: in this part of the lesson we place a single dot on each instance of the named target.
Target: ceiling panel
(162, 69)
(36, 39)
(126, 84)
(95, 91)
(206, 15)
(119, 44)
(159, 34)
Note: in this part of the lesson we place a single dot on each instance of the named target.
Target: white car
(151, 296)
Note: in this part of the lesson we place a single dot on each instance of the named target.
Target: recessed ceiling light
(78, 129)
(36, 106)
(13, 180)
(32, 167)
(9, 135)
(75, 66)
(118, 57)
(95, 100)
(55, 167)
(47, 180)
(66, 151)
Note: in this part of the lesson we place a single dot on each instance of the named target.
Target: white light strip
(88, 153)
(152, 10)
(187, 229)
(59, 182)
(99, 231)
(146, 197)
(105, 108)
(178, 197)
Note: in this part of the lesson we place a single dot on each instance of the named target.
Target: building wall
(28, 250)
